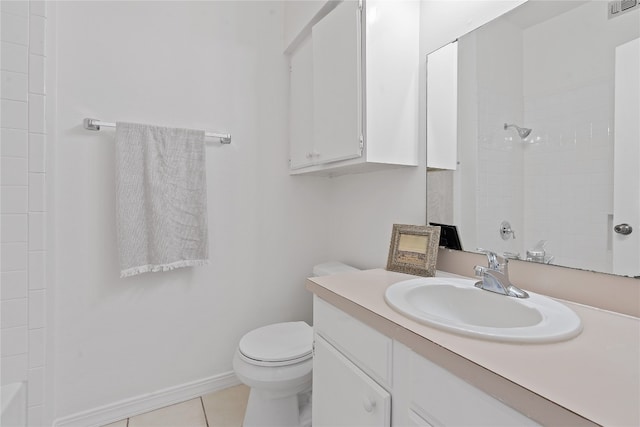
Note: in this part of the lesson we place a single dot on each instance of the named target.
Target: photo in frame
(414, 249)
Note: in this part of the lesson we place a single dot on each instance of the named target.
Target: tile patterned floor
(224, 408)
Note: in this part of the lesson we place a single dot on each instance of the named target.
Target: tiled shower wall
(22, 206)
(569, 175)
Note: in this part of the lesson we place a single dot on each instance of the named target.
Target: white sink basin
(456, 305)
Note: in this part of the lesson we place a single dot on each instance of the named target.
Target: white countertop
(595, 375)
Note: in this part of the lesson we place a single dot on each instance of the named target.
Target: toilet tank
(334, 267)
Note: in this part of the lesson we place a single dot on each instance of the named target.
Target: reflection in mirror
(549, 67)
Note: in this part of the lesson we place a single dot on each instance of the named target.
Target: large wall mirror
(548, 138)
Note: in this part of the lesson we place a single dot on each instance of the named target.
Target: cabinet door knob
(624, 229)
(369, 404)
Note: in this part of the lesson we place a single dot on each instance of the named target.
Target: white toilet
(276, 362)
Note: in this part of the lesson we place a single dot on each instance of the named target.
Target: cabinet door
(343, 395)
(443, 399)
(337, 84)
(301, 106)
(415, 420)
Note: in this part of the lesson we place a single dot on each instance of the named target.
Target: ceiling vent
(619, 7)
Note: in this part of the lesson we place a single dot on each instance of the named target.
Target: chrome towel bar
(95, 124)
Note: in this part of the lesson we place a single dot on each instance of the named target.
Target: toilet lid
(278, 342)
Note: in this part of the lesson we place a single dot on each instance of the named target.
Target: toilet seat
(279, 344)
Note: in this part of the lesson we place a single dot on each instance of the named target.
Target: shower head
(522, 132)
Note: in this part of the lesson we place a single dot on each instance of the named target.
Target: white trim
(147, 402)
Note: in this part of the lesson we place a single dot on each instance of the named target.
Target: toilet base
(264, 410)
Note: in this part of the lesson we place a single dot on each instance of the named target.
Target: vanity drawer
(367, 348)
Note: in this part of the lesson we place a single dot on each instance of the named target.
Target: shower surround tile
(14, 257)
(20, 8)
(14, 86)
(14, 341)
(15, 143)
(37, 44)
(37, 196)
(14, 313)
(37, 235)
(14, 368)
(37, 340)
(36, 74)
(14, 57)
(15, 114)
(38, 7)
(37, 270)
(37, 152)
(15, 28)
(37, 121)
(13, 228)
(14, 199)
(22, 194)
(14, 171)
(13, 284)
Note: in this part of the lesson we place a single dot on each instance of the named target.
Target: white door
(626, 179)
(343, 395)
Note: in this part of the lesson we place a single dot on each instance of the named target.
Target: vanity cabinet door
(415, 420)
(343, 395)
(437, 397)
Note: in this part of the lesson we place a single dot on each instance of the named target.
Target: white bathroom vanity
(374, 366)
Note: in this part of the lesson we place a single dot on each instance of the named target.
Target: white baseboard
(148, 402)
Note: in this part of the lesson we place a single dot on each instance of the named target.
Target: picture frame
(414, 249)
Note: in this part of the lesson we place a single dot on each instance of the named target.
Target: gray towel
(161, 198)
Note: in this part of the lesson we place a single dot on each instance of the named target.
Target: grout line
(204, 411)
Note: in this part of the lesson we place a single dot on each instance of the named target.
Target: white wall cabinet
(358, 373)
(354, 88)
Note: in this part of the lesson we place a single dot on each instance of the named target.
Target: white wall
(23, 206)
(207, 65)
(363, 208)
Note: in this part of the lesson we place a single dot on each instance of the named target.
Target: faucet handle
(495, 261)
(479, 270)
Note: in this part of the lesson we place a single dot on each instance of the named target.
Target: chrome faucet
(495, 277)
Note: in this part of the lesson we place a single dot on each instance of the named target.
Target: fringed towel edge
(162, 267)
